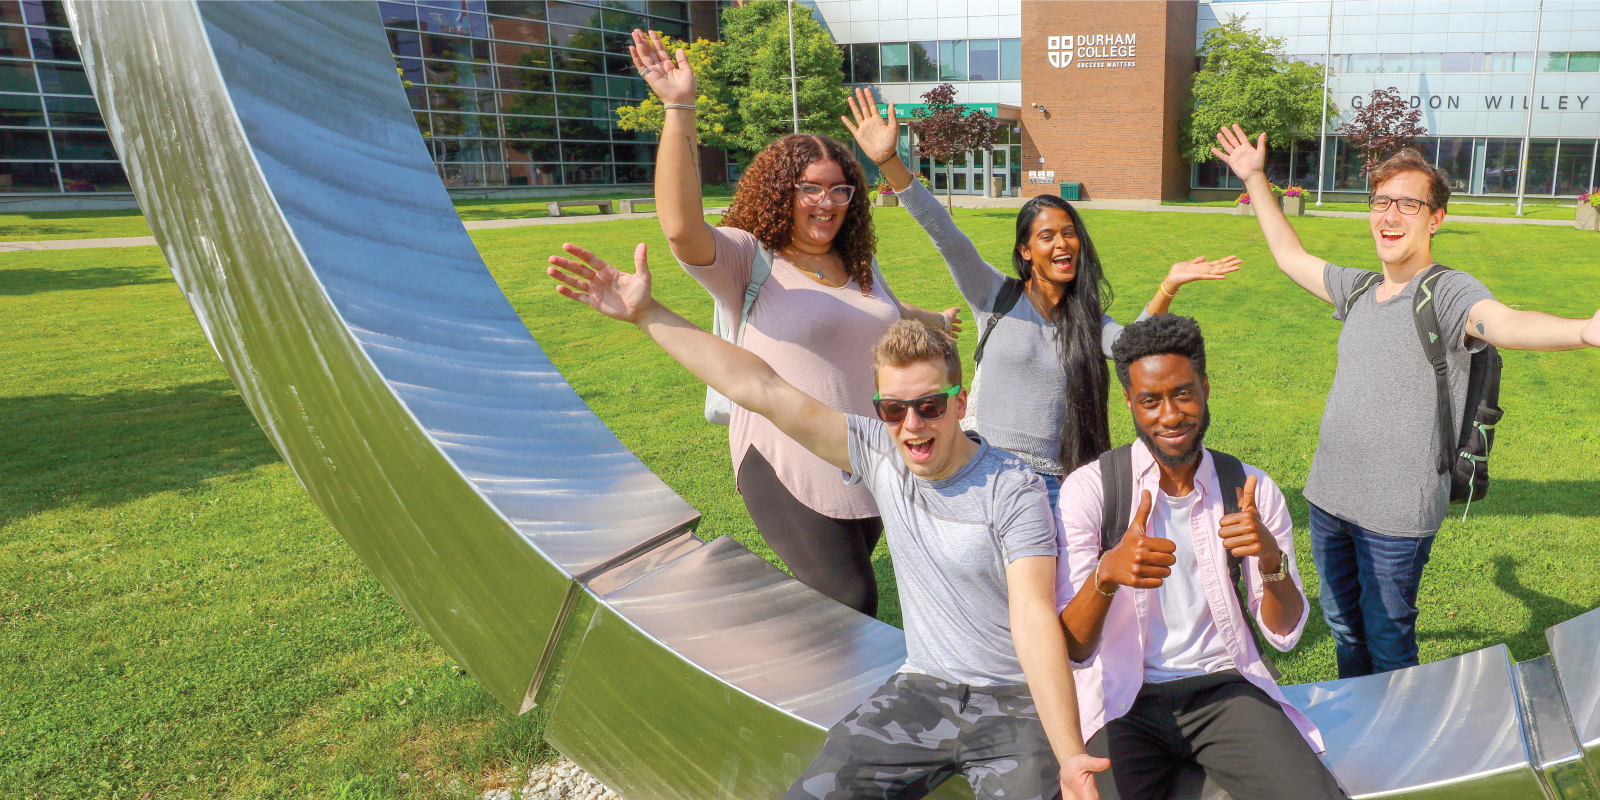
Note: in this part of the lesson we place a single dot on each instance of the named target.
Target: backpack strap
(1426, 316)
(1116, 487)
(1010, 291)
(1372, 279)
(760, 270)
(1230, 479)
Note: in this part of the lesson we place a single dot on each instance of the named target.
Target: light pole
(1527, 122)
(1322, 140)
(794, 81)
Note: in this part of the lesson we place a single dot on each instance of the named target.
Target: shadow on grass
(35, 280)
(63, 450)
(1515, 497)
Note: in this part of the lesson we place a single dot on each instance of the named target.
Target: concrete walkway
(961, 201)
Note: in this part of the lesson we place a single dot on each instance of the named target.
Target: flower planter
(1588, 218)
(886, 200)
(1244, 209)
(1294, 206)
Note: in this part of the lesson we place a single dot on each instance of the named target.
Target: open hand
(1199, 269)
(1244, 534)
(877, 137)
(1139, 561)
(603, 287)
(954, 315)
(671, 79)
(1077, 776)
(1239, 155)
(1591, 331)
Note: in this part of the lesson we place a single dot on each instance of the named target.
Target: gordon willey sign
(1096, 50)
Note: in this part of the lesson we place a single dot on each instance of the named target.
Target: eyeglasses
(1408, 206)
(813, 193)
(929, 406)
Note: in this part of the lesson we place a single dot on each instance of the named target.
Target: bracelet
(885, 159)
(689, 106)
(1162, 288)
(946, 323)
(1112, 593)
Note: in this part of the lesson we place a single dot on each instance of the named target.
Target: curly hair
(764, 203)
(1168, 334)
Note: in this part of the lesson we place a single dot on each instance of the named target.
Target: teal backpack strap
(760, 270)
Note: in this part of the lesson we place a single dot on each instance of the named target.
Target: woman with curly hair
(804, 201)
(1041, 384)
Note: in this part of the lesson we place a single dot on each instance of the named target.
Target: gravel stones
(562, 780)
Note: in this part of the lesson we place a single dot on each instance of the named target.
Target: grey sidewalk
(961, 201)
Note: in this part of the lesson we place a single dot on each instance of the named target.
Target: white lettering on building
(1093, 51)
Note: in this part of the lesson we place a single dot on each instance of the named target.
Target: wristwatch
(1269, 577)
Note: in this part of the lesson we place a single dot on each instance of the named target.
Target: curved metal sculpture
(274, 153)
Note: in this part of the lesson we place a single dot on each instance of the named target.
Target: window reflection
(21, 110)
(984, 60)
(28, 177)
(94, 146)
(25, 144)
(94, 178)
(74, 112)
(896, 62)
(924, 61)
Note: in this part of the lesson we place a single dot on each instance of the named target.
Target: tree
(1385, 125)
(743, 80)
(1247, 79)
(947, 130)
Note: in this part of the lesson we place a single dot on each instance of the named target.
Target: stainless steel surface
(1575, 653)
(1436, 730)
(278, 164)
(1551, 737)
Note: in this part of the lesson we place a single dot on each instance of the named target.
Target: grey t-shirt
(1018, 406)
(951, 541)
(1378, 452)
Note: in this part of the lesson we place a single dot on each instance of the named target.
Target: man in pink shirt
(1166, 667)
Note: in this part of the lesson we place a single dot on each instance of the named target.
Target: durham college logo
(1060, 48)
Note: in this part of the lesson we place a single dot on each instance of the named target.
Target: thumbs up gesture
(1138, 560)
(1244, 534)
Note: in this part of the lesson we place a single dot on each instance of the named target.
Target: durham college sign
(1098, 50)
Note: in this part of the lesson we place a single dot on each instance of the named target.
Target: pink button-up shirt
(1110, 680)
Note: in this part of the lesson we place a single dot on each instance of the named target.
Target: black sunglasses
(929, 406)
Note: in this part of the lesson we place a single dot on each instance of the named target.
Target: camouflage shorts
(917, 731)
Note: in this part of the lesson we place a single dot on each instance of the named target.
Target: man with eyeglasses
(986, 689)
(1376, 494)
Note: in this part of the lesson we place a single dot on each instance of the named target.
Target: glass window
(571, 83)
(953, 61)
(404, 44)
(1303, 171)
(522, 55)
(455, 22)
(14, 43)
(1575, 167)
(525, 80)
(26, 144)
(1428, 146)
(469, 100)
(1343, 174)
(1583, 62)
(527, 9)
(576, 38)
(677, 30)
(1427, 62)
(585, 151)
(578, 174)
(983, 60)
(89, 146)
(1011, 60)
(620, 66)
(1552, 62)
(864, 63)
(24, 177)
(1508, 62)
(458, 74)
(674, 9)
(1500, 166)
(895, 60)
(94, 178)
(17, 76)
(1364, 62)
(464, 125)
(1278, 165)
(1212, 175)
(637, 153)
(463, 175)
(21, 110)
(74, 112)
(543, 105)
(11, 12)
(532, 175)
(44, 12)
(1456, 62)
(622, 21)
(521, 31)
(578, 60)
(1396, 62)
(635, 173)
(627, 88)
(534, 151)
(1541, 166)
(925, 61)
(574, 14)
(454, 48)
(584, 129)
(1455, 159)
(475, 150)
(63, 79)
(592, 107)
(398, 15)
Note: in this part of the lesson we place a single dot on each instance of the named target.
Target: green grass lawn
(177, 618)
(1458, 208)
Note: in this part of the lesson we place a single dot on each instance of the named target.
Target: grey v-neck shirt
(1378, 451)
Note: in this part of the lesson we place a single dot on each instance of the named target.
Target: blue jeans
(1369, 593)
(1053, 483)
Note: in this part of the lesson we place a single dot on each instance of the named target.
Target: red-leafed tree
(947, 130)
(1384, 126)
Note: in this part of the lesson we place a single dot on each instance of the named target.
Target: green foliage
(1248, 80)
(743, 80)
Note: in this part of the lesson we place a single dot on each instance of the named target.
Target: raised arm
(978, 282)
(736, 372)
(678, 206)
(1249, 162)
(1514, 329)
(1186, 272)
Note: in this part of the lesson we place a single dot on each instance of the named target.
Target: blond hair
(909, 342)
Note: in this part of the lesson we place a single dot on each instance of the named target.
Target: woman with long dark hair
(1041, 383)
(802, 216)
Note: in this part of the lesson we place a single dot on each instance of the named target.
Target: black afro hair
(1167, 334)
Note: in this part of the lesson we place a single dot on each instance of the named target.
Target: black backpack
(1463, 453)
(1116, 485)
(1010, 291)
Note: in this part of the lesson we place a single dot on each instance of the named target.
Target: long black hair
(1085, 431)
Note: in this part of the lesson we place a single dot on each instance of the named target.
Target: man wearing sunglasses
(985, 690)
(1376, 494)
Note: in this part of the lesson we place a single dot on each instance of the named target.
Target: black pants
(1237, 733)
(833, 556)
